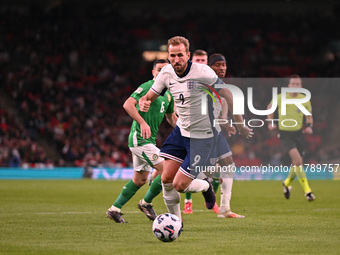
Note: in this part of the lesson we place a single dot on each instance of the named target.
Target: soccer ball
(167, 227)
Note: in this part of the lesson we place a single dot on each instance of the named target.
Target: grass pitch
(68, 217)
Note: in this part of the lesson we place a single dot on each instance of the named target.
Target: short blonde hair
(199, 53)
(177, 40)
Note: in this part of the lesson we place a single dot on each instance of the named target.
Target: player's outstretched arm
(231, 130)
(309, 121)
(226, 93)
(243, 130)
(130, 108)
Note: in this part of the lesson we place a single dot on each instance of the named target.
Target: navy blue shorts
(193, 154)
(222, 147)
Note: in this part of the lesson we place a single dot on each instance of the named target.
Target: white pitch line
(48, 213)
(63, 213)
(326, 209)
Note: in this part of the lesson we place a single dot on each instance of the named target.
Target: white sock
(187, 201)
(114, 209)
(172, 199)
(197, 186)
(226, 188)
(225, 203)
(145, 203)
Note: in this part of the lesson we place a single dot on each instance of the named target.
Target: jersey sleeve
(308, 106)
(160, 85)
(141, 91)
(170, 108)
(218, 81)
(208, 75)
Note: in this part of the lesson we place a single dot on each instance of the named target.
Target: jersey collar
(186, 70)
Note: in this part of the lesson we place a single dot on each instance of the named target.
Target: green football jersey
(292, 113)
(154, 117)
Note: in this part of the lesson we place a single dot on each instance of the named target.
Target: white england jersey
(218, 110)
(187, 92)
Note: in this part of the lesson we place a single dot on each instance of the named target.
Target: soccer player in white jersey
(224, 156)
(191, 143)
(201, 57)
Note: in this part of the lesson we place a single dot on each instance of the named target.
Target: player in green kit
(292, 138)
(145, 154)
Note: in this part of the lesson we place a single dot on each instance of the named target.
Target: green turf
(68, 217)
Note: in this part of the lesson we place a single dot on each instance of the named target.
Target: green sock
(216, 184)
(188, 195)
(126, 194)
(300, 173)
(154, 190)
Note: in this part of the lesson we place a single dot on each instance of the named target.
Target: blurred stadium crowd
(69, 72)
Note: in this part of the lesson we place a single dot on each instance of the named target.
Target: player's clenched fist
(144, 105)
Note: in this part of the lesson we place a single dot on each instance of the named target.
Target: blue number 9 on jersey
(167, 227)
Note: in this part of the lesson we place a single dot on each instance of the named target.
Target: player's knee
(166, 179)
(297, 162)
(139, 182)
